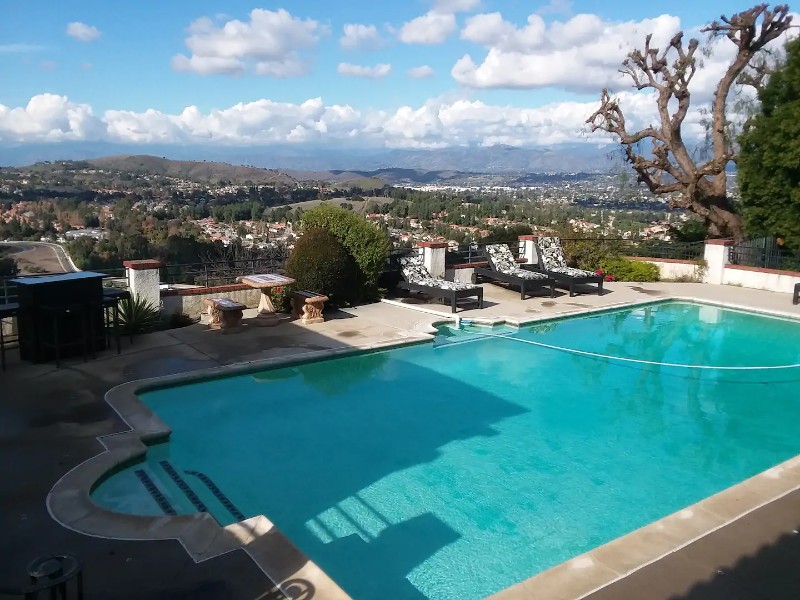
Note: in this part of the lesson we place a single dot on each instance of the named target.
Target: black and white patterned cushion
(501, 258)
(551, 254)
(414, 271)
(572, 272)
(503, 262)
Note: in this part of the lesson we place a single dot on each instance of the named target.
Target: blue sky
(126, 55)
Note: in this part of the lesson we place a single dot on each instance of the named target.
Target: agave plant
(138, 315)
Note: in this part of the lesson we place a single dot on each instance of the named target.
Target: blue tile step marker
(223, 499)
(153, 490)
(184, 487)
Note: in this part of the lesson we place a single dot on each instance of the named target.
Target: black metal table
(42, 299)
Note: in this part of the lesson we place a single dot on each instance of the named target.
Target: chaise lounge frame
(437, 293)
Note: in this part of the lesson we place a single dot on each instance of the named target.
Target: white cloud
(83, 32)
(431, 28)
(556, 7)
(437, 123)
(51, 118)
(270, 42)
(453, 6)
(360, 36)
(581, 54)
(421, 71)
(19, 48)
(376, 72)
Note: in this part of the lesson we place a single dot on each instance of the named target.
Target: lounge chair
(504, 268)
(418, 279)
(552, 262)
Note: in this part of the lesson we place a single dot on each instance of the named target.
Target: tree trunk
(718, 214)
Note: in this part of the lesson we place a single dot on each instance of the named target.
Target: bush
(588, 253)
(139, 315)
(319, 263)
(623, 269)
(368, 245)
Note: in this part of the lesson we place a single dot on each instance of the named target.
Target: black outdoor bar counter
(63, 311)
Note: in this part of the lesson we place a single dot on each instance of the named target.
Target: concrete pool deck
(52, 419)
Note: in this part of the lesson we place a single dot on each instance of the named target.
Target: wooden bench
(226, 314)
(308, 306)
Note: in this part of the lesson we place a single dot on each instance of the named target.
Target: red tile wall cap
(528, 237)
(432, 245)
(139, 265)
(682, 261)
(217, 289)
(720, 242)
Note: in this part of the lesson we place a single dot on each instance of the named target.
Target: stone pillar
(433, 256)
(144, 279)
(528, 249)
(716, 255)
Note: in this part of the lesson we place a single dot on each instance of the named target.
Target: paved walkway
(50, 418)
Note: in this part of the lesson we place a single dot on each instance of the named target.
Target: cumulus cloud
(82, 31)
(581, 54)
(51, 118)
(431, 28)
(269, 43)
(360, 36)
(437, 123)
(421, 71)
(376, 72)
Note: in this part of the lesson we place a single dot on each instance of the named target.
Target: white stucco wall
(775, 281)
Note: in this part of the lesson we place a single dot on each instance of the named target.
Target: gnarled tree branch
(669, 167)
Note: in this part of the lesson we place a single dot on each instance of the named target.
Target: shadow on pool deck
(50, 420)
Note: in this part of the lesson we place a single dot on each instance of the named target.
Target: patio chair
(504, 268)
(552, 262)
(416, 278)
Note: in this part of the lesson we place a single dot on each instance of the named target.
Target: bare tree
(670, 167)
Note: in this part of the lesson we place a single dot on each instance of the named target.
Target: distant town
(96, 207)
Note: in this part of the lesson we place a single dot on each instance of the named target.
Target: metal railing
(764, 253)
(669, 250)
(209, 274)
(476, 253)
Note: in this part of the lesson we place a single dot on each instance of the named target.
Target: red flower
(600, 271)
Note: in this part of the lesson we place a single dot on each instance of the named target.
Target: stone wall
(191, 301)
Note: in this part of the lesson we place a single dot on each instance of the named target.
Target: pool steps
(167, 507)
(183, 486)
(155, 492)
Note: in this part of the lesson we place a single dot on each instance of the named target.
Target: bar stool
(111, 299)
(56, 316)
(7, 311)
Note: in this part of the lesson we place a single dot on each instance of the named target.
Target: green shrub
(368, 245)
(319, 263)
(623, 269)
(588, 253)
(139, 315)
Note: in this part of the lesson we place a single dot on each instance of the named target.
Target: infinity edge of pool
(69, 501)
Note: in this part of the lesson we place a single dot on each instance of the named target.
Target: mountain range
(561, 158)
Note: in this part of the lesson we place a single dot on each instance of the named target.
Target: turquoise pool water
(453, 470)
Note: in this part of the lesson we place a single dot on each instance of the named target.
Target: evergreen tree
(769, 161)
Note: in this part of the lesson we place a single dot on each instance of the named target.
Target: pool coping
(69, 501)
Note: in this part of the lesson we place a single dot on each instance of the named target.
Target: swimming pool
(455, 469)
